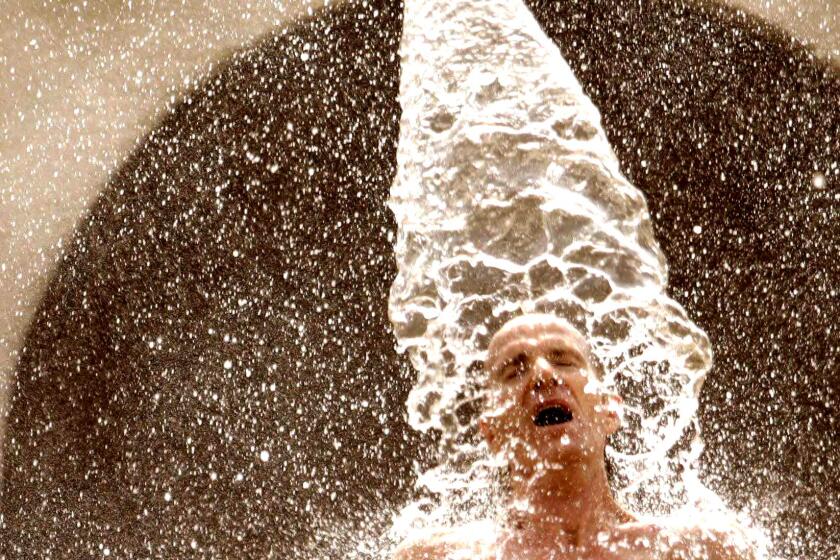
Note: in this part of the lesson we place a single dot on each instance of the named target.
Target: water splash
(509, 199)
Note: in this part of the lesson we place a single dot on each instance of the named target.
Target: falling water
(509, 199)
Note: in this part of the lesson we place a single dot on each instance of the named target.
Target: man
(550, 418)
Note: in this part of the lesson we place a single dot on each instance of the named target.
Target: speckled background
(227, 294)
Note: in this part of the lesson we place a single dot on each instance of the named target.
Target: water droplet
(818, 180)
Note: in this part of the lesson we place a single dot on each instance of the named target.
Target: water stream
(509, 199)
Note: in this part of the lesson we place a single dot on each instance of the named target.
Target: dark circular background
(227, 293)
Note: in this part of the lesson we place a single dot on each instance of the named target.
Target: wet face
(546, 406)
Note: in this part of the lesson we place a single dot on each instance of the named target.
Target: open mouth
(552, 416)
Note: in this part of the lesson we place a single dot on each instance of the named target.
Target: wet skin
(549, 417)
(538, 362)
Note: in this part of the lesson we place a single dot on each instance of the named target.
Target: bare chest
(618, 554)
(637, 548)
(628, 543)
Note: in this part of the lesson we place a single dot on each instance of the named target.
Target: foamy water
(509, 199)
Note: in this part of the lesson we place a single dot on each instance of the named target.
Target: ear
(612, 404)
(486, 427)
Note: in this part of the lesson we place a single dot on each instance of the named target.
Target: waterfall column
(508, 199)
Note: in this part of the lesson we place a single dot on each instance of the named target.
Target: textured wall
(81, 83)
(814, 22)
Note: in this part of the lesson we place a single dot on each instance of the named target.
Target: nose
(544, 376)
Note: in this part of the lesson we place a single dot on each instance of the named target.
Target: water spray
(509, 199)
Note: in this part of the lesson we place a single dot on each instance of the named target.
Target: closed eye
(513, 368)
(562, 358)
(512, 371)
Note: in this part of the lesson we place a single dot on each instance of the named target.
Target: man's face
(545, 404)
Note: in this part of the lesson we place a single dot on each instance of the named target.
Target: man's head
(546, 407)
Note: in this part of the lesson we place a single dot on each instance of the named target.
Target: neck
(564, 506)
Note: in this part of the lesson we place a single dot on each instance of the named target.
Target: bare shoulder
(430, 545)
(694, 542)
(713, 544)
(466, 542)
